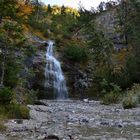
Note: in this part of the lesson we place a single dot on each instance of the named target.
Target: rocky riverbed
(75, 120)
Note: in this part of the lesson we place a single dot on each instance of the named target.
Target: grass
(2, 126)
(130, 101)
(110, 98)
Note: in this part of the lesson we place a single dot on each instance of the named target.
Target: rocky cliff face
(37, 61)
(107, 21)
(79, 79)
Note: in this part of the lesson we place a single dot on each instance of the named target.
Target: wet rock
(51, 137)
(105, 123)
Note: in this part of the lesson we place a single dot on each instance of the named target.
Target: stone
(41, 137)
(76, 119)
(3, 137)
(51, 137)
(86, 100)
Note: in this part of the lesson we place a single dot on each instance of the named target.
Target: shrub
(76, 53)
(133, 97)
(110, 98)
(31, 97)
(6, 95)
(111, 92)
(46, 33)
(2, 127)
(12, 70)
(129, 73)
(24, 112)
(18, 111)
(108, 87)
(118, 76)
(129, 102)
(135, 90)
(31, 50)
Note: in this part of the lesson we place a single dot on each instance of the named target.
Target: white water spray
(53, 74)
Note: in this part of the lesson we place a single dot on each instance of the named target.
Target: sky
(74, 3)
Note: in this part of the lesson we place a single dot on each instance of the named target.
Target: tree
(49, 9)
(11, 40)
(37, 6)
(8, 8)
(24, 9)
(63, 10)
(101, 6)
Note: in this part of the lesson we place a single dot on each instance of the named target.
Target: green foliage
(132, 68)
(59, 20)
(135, 90)
(129, 101)
(109, 87)
(31, 97)
(111, 92)
(31, 50)
(6, 95)
(2, 127)
(11, 73)
(18, 111)
(13, 111)
(8, 8)
(76, 53)
(12, 41)
(129, 73)
(111, 98)
(85, 17)
(132, 98)
(117, 79)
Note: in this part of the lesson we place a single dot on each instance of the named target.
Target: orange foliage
(25, 9)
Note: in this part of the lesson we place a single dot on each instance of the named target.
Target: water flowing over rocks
(76, 120)
(54, 77)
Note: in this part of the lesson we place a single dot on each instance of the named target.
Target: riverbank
(77, 120)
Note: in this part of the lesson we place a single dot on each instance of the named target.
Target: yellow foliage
(25, 10)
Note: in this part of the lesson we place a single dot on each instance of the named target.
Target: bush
(110, 98)
(2, 127)
(76, 53)
(31, 50)
(108, 87)
(133, 97)
(111, 92)
(136, 90)
(129, 102)
(6, 95)
(129, 73)
(18, 111)
(12, 70)
(31, 97)
(117, 78)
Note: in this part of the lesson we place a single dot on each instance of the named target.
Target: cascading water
(53, 74)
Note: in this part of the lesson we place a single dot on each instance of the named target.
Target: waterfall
(53, 74)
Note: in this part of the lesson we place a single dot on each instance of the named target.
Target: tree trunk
(2, 74)
(3, 66)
